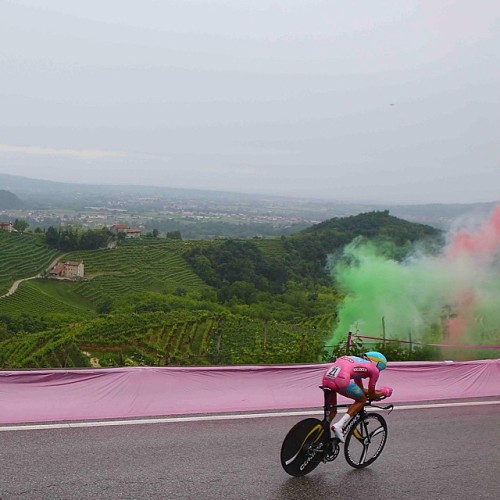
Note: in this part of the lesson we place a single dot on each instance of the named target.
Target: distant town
(92, 217)
(196, 214)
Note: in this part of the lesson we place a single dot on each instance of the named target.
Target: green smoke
(416, 296)
(485, 327)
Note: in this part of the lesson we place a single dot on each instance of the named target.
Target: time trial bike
(309, 442)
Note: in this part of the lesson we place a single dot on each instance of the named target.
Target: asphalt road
(445, 453)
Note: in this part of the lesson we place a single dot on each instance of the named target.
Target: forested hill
(313, 245)
(372, 224)
(9, 200)
(302, 257)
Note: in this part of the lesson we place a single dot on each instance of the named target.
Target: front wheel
(365, 441)
(304, 447)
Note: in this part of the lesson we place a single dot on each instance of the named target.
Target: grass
(149, 265)
(22, 256)
(163, 339)
(42, 296)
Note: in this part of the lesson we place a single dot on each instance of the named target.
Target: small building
(130, 232)
(118, 228)
(69, 269)
(6, 226)
(74, 269)
(57, 270)
(133, 232)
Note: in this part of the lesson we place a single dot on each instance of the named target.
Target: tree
(174, 235)
(20, 225)
(68, 239)
(94, 239)
(241, 291)
(52, 237)
(203, 267)
(4, 332)
(105, 306)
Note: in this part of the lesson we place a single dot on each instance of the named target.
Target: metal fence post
(349, 343)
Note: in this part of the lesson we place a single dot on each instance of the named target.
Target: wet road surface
(442, 453)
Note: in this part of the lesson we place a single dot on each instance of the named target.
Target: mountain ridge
(9, 200)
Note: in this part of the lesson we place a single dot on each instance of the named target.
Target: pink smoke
(483, 243)
(457, 326)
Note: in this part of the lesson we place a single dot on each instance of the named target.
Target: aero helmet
(378, 358)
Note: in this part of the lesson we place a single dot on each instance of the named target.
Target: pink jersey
(339, 375)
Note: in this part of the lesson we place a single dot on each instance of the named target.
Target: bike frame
(354, 420)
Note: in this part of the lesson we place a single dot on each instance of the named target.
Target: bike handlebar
(368, 403)
(387, 407)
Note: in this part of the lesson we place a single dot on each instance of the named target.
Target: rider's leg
(355, 392)
(356, 407)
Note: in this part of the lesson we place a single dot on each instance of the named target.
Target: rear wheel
(303, 447)
(365, 441)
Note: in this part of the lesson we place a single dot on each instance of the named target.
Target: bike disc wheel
(365, 441)
(303, 447)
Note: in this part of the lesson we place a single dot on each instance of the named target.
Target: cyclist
(344, 377)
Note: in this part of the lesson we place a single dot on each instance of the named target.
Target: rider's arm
(371, 392)
(359, 383)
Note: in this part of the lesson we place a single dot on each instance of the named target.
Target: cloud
(84, 154)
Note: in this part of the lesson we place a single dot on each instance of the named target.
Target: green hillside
(272, 247)
(340, 231)
(310, 248)
(140, 266)
(159, 301)
(135, 266)
(166, 339)
(22, 256)
(44, 296)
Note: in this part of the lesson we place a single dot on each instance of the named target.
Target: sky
(375, 101)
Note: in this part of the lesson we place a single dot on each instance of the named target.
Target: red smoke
(485, 241)
(457, 326)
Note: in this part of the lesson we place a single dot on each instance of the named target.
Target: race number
(333, 372)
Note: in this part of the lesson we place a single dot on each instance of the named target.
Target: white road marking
(199, 418)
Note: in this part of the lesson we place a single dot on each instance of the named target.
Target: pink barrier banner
(90, 394)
